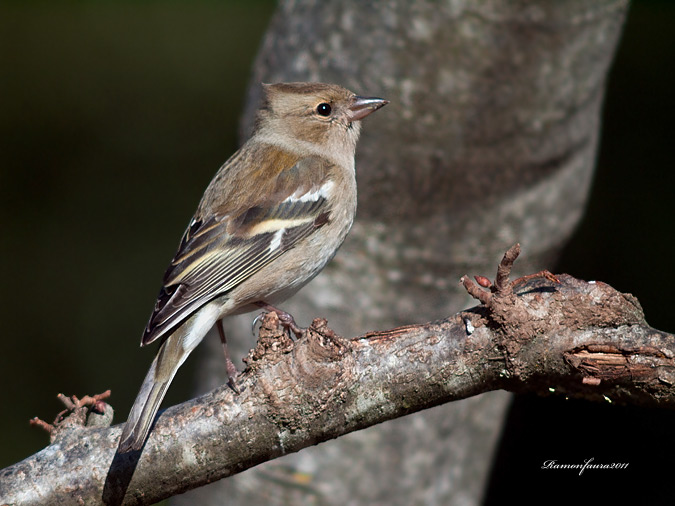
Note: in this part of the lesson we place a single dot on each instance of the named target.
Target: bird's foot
(286, 319)
(232, 374)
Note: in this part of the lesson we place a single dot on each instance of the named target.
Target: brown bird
(272, 217)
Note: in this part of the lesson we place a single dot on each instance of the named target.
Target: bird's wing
(218, 252)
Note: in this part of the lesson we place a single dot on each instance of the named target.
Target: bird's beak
(363, 106)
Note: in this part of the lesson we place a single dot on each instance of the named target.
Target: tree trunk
(490, 139)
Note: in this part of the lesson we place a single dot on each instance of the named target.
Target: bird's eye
(323, 109)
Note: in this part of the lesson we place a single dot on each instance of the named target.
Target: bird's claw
(256, 321)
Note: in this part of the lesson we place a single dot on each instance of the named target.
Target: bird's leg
(285, 318)
(229, 365)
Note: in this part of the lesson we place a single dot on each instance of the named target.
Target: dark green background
(115, 115)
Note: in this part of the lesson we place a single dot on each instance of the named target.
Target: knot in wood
(310, 379)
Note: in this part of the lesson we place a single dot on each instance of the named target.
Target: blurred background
(114, 117)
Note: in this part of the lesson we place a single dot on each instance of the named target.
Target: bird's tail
(171, 355)
(145, 408)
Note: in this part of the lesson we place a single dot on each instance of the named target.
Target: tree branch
(539, 334)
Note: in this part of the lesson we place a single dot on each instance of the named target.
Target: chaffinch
(272, 217)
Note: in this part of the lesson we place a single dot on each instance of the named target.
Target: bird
(272, 217)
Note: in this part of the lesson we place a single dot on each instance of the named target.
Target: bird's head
(314, 117)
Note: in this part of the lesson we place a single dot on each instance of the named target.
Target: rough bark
(490, 138)
(562, 337)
